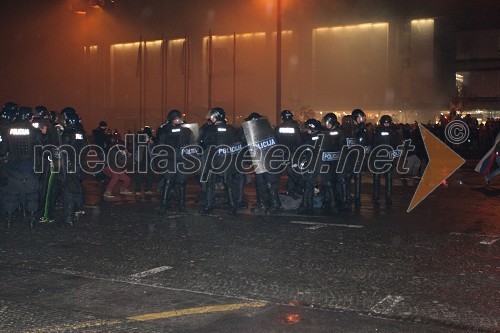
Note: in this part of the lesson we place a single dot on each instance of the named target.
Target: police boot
(259, 207)
(68, 207)
(348, 182)
(343, 202)
(329, 199)
(210, 196)
(69, 221)
(182, 199)
(240, 195)
(376, 188)
(306, 205)
(357, 189)
(273, 198)
(231, 200)
(10, 219)
(165, 195)
(388, 189)
(33, 218)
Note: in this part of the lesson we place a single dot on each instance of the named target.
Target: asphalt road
(124, 267)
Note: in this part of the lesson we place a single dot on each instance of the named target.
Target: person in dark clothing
(308, 164)
(73, 140)
(215, 139)
(330, 153)
(18, 147)
(288, 134)
(172, 135)
(384, 137)
(101, 139)
(142, 159)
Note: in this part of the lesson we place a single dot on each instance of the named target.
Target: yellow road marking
(151, 316)
(199, 310)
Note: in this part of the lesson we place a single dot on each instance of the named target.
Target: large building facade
(132, 63)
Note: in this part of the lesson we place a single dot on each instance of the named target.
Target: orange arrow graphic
(443, 162)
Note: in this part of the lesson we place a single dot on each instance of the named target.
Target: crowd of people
(323, 159)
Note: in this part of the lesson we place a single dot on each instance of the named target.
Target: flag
(139, 59)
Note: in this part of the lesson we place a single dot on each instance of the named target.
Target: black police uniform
(288, 134)
(22, 185)
(356, 135)
(307, 164)
(333, 141)
(218, 135)
(144, 172)
(8, 115)
(70, 177)
(177, 137)
(384, 135)
(266, 183)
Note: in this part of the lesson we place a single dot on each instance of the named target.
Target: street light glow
(358, 26)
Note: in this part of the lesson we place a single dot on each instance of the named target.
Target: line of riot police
(326, 157)
(33, 180)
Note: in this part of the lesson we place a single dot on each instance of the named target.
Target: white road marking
(150, 272)
(386, 304)
(489, 242)
(172, 216)
(317, 225)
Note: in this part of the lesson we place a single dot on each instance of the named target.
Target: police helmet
(71, 120)
(148, 131)
(174, 114)
(41, 111)
(10, 106)
(330, 118)
(313, 125)
(53, 117)
(68, 110)
(24, 113)
(218, 113)
(385, 119)
(9, 115)
(356, 113)
(286, 115)
(253, 115)
(65, 112)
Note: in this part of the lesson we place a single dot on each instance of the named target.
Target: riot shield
(260, 137)
(195, 129)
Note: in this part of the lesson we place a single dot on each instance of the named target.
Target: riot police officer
(361, 138)
(176, 137)
(308, 165)
(143, 172)
(333, 140)
(384, 135)
(19, 148)
(9, 111)
(288, 134)
(51, 142)
(72, 142)
(265, 182)
(220, 139)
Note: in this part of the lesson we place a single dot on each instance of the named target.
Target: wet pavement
(124, 267)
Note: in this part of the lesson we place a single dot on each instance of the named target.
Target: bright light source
(358, 26)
